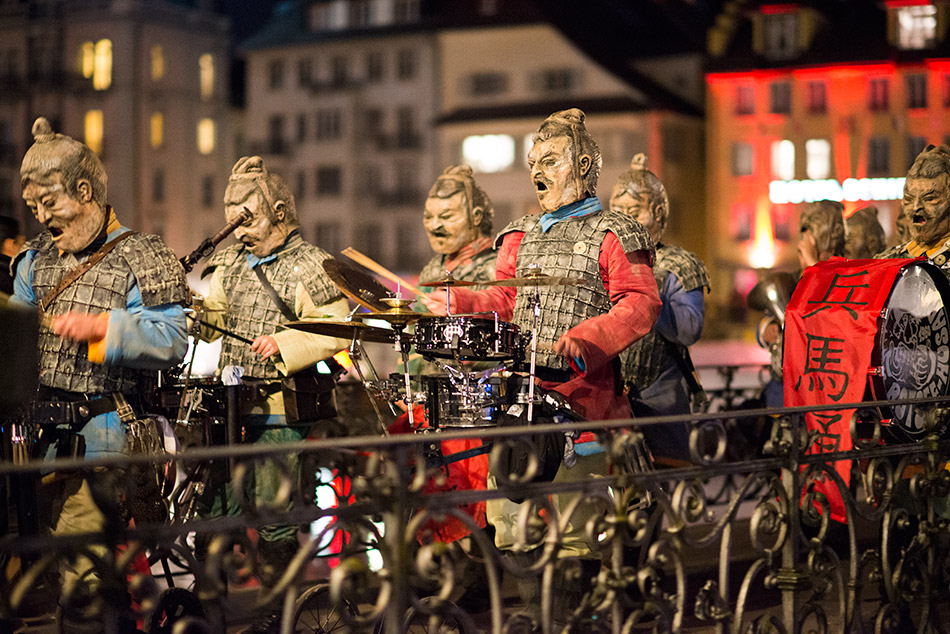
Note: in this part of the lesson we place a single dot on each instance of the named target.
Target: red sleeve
(629, 280)
(493, 298)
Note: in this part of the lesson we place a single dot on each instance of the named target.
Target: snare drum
(455, 403)
(468, 338)
(911, 357)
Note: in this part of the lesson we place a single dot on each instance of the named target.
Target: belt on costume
(72, 412)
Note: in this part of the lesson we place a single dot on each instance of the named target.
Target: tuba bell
(772, 295)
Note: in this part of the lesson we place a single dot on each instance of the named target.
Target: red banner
(830, 327)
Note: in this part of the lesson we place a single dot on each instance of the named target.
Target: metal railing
(665, 550)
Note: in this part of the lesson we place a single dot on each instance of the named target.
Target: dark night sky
(247, 15)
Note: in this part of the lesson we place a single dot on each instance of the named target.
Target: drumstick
(379, 269)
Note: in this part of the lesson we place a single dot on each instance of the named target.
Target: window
(557, 80)
(96, 63)
(158, 185)
(781, 35)
(878, 94)
(780, 93)
(207, 191)
(817, 159)
(300, 185)
(339, 71)
(327, 236)
(371, 238)
(304, 72)
(917, 90)
(275, 74)
(158, 62)
(489, 153)
(783, 160)
(93, 130)
(487, 7)
(879, 156)
(206, 74)
(301, 128)
(329, 180)
(482, 84)
(817, 96)
(782, 221)
(361, 13)
(406, 174)
(740, 221)
(945, 79)
(275, 134)
(406, 64)
(915, 145)
(742, 156)
(324, 16)
(916, 26)
(374, 66)
(206, 134)
(406, 135)
(157, 129)
(745, 99)
(372, 123)
(406, 11)
(329, 124)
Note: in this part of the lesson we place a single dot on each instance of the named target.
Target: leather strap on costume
(282, 306)
(80, 270)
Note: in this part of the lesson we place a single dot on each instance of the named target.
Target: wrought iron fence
(616, 546)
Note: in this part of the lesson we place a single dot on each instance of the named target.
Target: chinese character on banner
(830, 329)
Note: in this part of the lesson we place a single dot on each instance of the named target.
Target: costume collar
(466, 253)
(292, 238)
(917, 250)
(575, 209)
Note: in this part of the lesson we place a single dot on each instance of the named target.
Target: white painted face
(72, 222)
(260, 235)
(551, 163)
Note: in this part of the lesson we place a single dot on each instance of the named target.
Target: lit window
(783, 160)
(917, 90)
(158, 63)
(206, 75)
(87, 59)
(157, 128)
(817, 159)
(102, 73)
(93, 130)
(916, 26)
(742, 156)
(206, 136)
(489, 153)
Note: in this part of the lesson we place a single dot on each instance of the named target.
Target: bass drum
(911, 357)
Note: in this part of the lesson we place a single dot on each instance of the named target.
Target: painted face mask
(448, 224)
(72, 223)
(552, 173)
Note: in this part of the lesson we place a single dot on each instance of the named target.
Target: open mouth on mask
(919, 219)
(55, 232)
(540, 186)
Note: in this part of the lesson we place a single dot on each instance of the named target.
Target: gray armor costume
(647, 358)
(568, 249)
(251, 312)
(141, 259)
(481, 268)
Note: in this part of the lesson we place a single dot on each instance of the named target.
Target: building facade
(809, 101)
(144, 83)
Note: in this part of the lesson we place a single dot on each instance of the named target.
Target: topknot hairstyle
(459, 178)
(637, 179)
(53, 153)
(249, 176)
(570, 123)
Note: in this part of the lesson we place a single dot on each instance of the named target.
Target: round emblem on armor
(940, 259)
(580, 248)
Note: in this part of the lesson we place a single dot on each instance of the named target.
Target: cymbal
(395, 317)
(447, 281)
(537, 280)
(344, 330)
(362, 288)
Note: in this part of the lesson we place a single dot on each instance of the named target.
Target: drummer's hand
(265, 346)
(81, 326)
(572, 349)
(435, 301)
(807, 249)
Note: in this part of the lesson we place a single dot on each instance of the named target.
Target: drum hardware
(536, 279)
(468, 337)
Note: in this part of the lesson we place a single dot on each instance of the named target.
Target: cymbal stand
(534, 353)
(357, 352)
(403, 348)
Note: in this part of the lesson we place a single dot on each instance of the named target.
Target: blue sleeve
(23, 281)
(681, 317)
(149, 338)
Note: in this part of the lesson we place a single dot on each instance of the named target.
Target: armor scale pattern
(252, 313)
(900, 251)
(570, 248)
(140, 258)
(643, 361)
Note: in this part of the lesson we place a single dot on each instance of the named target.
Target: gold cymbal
(447, 281)
(537, 280)
(344, 330)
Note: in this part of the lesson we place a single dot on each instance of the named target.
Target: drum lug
(884, 312)
(876, 371)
